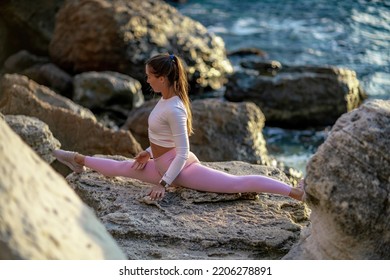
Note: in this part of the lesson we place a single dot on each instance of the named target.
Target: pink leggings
(194, 175)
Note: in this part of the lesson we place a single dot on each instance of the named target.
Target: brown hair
(171, 66)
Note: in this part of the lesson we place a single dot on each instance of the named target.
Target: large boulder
(226, 131)
(188, 224)
(40, 215)
(299, 96)
(348, 188)
(100, 35)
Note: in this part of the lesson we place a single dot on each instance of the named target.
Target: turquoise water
(351, 34)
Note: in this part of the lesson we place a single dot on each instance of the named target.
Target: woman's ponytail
(171, 66)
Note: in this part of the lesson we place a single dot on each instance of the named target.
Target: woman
(170, 125)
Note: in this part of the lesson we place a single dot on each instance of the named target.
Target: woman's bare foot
(80, 159)
(298, 193)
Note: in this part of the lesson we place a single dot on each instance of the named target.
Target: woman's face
(156, 83)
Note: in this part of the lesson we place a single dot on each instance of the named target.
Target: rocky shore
(75, 80)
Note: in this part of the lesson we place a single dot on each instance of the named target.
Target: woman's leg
(199, 177)
(194, 175)
(111, 168)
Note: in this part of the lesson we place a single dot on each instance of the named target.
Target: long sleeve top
(168, 128)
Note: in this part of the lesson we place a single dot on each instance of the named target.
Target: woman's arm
(149, 150)
(141, 160)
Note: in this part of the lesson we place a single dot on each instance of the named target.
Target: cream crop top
(168, 128)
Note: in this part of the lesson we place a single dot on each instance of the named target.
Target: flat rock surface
(188, 224)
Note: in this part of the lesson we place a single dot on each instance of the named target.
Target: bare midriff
(158, 151)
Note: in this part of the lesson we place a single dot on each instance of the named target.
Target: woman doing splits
(168, 160)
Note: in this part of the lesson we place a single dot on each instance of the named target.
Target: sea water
(353, 34)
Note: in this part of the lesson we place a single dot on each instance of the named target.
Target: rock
(27, 25)
(224, 131)
(4, 37)
(36, 134)
(18, 62)
(298, 97)
(188, 224)
(248, 52)
(107, 89)
(41, 71)
(348, 188)
(52, 76)
(40, 215)
(266, 68)
(75, 129)
(9, 81)
(137, 122)
(102, 35)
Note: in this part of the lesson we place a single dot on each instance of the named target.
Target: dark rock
(298, 97)
(110, 90)
(39, 69)
(26, 25)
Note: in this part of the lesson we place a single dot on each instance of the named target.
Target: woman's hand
(141, 160)
(157, 192)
